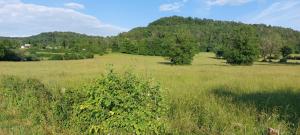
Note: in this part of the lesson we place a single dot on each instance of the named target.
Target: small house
(26, 46)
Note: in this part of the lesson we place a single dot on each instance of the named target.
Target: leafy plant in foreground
(121, 104)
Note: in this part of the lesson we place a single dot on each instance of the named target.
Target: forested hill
(155, 39)
(207, 33)
(66, 40)
(60, 41)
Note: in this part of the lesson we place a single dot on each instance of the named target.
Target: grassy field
(207, 97)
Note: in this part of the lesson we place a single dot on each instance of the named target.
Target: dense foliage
(29, 98)
(68, 41)
(182, 48)
(73, 45)
(71, 56)
(7, 54)
(285, 51)
(158, 39)
(122, 104)
(208, 35)
(242, 48)
(113, 104)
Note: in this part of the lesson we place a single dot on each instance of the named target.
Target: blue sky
(110, 17)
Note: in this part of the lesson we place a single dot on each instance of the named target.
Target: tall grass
(207, 97)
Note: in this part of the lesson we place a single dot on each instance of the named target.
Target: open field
(207, 97)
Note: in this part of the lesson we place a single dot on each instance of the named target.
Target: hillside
(151, 40)
(207, 33)
(59, 40)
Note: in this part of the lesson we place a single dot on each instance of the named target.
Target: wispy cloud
(22, 19)
(284, 13)
(227, 2)
(73, 5)
(174, 7)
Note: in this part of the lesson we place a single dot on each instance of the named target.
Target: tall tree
(285, 51)
(182, 48)
(270, 45)
(242, 48)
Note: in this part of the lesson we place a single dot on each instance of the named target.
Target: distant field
(208, 96)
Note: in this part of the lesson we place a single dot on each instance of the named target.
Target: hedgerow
(71, 56)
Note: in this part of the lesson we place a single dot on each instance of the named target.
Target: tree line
(177, 38)
(238, 43)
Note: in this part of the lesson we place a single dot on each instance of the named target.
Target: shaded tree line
(232, 39)
(177, 38)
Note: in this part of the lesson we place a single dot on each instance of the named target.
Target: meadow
(207, 97)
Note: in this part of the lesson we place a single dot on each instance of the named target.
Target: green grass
(207, 97)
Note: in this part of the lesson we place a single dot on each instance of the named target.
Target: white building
(26, 46)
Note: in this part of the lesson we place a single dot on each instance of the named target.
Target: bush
(220, 53)
(72, 56)
(32, 57)
(17, 55)
(243, 48)
(89, 55)
(283, 60)
(181, 55)
(56, 57)
(182, 49)
(121, 105)
(286, 51)
(63, 108)
(11, 55)
(293, 57)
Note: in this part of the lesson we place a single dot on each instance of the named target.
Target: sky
(110, 17)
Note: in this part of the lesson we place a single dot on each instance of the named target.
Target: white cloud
(73, 5)
(175, 6)
(21, 19)
(227, 2)
(284, 13)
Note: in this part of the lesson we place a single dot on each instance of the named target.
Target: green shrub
(182, 48)
(121, 104)
(32, 57)
(283, 60)
(286, 51)
(56, 57)
(11, 55)
(17, 55)
(63, 108)
(71, 56)
(242, 48)
(28, 97)
(220, 53)
(293, 57)
(89, 55)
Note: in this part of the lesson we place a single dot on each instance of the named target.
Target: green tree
(128, 46)
(242, 48)
(285, 51)
(219, 51)
(182, 48)
(2, 51)
(270, 45)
